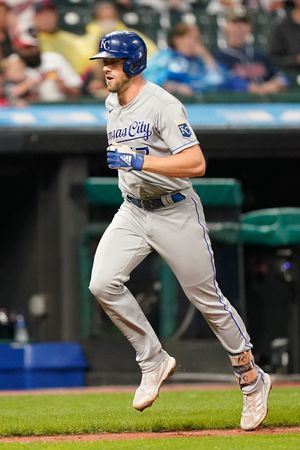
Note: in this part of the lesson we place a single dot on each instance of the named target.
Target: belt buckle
(143, 203)
(147, 204)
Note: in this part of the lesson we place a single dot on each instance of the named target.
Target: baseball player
(155, 151)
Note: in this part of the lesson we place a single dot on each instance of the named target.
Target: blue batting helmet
(125, 45)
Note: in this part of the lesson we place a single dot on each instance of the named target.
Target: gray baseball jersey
(156, 123)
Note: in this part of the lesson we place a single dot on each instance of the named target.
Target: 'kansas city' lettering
(138, 129)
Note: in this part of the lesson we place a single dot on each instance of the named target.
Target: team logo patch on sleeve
(185, 130)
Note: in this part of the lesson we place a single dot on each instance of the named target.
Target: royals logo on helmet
(104, 44)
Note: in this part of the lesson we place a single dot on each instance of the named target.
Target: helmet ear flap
(128, 67)
(132, 68)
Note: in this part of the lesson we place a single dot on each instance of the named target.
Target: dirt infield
(130, 389)
(148, 435)
(118, 389)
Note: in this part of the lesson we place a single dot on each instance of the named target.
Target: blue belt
(151, 204)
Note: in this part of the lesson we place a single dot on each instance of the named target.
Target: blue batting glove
(117, 159)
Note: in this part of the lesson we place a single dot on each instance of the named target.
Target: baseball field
(184, 417)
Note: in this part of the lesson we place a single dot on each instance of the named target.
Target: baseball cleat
(255, 406)
(148, 391)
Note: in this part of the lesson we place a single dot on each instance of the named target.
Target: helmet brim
(104, 55)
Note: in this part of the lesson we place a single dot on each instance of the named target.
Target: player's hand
(123, 157)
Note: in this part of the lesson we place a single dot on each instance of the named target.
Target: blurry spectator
(186, 67)
(248, 68)
(55, 78)
(19, 86)
(3, 99)
(125, 5)
(163, 5)
(75, 48)
(222, 7)
(5, 43)
(94, 83)
(105, 20)
(21, 17)
(275, 8)
(284, 46)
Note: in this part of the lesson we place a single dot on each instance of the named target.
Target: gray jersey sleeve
(174, 128)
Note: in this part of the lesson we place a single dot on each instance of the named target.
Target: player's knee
(102, 287)
(94, 289)
(98, 288)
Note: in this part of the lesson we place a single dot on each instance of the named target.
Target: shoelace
(252, 402)
(249, 403)
(151, 377)
(148, 378)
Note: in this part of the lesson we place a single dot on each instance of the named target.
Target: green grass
(251, 442)
(95, 413)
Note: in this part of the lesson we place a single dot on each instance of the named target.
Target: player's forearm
(188, 163)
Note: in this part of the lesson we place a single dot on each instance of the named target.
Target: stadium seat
(209, 30)
(149, 23)
(261, 27)
(74, 19)
(74, 3)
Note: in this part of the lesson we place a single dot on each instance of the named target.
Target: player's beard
(119, 85)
